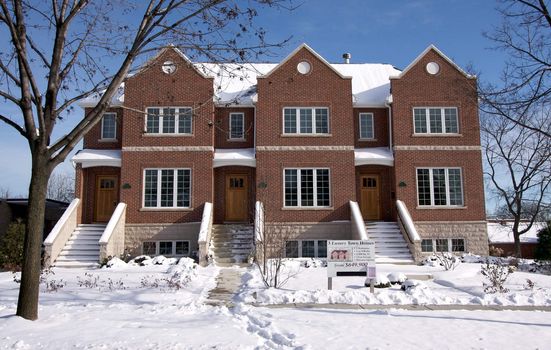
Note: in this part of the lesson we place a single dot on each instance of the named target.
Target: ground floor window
(443, 245)
(306, 249)
(306, 187)
(167, 188)
(439, 187)
(166, 248)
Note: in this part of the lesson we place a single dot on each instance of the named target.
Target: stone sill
(306, 135)
(437, 135)
(165, 209)
(307, 208)
(107, 140)
(440, 207)
(167, 135)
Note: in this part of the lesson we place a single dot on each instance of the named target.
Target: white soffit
(98, 157)
(373, 156)
(234, 156)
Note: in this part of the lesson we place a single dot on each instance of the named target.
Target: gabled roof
(318, 56)
(441, 54)
(161, 52)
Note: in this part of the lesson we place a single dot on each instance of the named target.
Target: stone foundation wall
(314, 230)
(475, 233)
(135, 234)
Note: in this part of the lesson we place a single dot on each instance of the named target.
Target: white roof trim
(318, 56)
(236, 156)
(373, 156)
(98, 157)
(432, 47)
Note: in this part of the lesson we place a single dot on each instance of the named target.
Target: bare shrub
(496, 275)
(448, 260)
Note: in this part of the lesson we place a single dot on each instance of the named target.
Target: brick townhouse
(305, 138)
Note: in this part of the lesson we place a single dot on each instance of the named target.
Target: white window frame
(175, 189)
(442, 118)
(450, 246)
(115, 127)
(363, 137)
(315, 188)
(158, 247)
(161, 120)
(316, 248)
(242, 117)
(297, 121)
(447, 183)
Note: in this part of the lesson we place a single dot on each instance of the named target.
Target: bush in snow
(543, 249)
(115, 262)
(89, 280)
(381, 281)
(496, 274)
(178, 277)
(11, 246)
(142, 260)
(409, 285)
(313, 263)
(396, 277)
(51, 284)
(448, 260)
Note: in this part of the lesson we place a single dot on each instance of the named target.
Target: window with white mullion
(306, 120)
(435, 120)
(237, 124)
(366, 126)
(439, 187)
(306, 187)
(169, 120)
(167, 188)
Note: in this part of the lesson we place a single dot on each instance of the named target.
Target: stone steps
(82, 248)
(390, 246)
(232, 244)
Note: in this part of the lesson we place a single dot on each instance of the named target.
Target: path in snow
(228, 282)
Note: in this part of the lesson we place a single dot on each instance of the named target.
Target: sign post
(350, 258)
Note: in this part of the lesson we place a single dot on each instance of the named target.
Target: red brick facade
(284, 86)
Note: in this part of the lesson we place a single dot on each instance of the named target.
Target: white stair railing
(357, 222)
(60, 234)
(111, 242)
(205, 232)
(408, 230)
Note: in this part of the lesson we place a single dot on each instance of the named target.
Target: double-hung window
(306, 187)
(167, 188)
(366, 126)
(109, 126)
(306, 249)
(439, 187)
(237, 126)
(437, 120)
(169, 120)
(305, 120)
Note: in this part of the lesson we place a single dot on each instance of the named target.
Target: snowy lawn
(163, 307)
(461, 286)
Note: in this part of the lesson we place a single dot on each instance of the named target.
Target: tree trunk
(27, 306)
(518, 252)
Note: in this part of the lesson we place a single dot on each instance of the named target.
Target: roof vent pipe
(346, 57)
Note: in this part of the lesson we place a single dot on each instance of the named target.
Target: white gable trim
(441, 54)
(318, 56)
(163, 50)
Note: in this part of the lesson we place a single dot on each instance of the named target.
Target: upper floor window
(439, 187)
(237, 126)
(167, 188)
(440, 120)
(168, 120)
(301, 120)
(306, 187)
(109, 126)
(366, 126)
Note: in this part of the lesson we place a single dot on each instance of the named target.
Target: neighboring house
(500, 235)
(12, 209)
(304, 137)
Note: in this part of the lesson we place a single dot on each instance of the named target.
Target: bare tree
(525, 35)
(61, 51)
(4, 193)
(519, 168)
(61, 187)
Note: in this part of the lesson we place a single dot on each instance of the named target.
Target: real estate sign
(351, 258)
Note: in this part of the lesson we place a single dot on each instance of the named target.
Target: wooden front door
(106, 197)
(369, 197)
(237, 208)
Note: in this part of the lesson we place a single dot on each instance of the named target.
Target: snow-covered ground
(163, 307)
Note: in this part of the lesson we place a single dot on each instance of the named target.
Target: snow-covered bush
(409, 286)
(381, 281)
(142, 260)
(178, 276)
(115, 262)
(396, 277)
(447, 260)
(496, 275)
(313, 263)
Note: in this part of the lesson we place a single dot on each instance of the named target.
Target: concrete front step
(231, 261)
(78, 258)
(91, 252)
(75, 264)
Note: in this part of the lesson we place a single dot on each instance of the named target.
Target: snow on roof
(98, 157)
(234, 156)
(373, 156)
(235, 84)
(92, 100)
(503, 232)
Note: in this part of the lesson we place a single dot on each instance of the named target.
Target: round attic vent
(168, 67)
(304, 67)
(433, 68)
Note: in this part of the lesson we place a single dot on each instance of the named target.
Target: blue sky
(377, 31)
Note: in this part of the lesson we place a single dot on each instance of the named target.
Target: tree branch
(13, 125)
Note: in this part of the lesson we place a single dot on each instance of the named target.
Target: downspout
(388, 104)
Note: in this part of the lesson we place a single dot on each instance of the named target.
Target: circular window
(433, 68)
(304, 67)
(168, 67)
